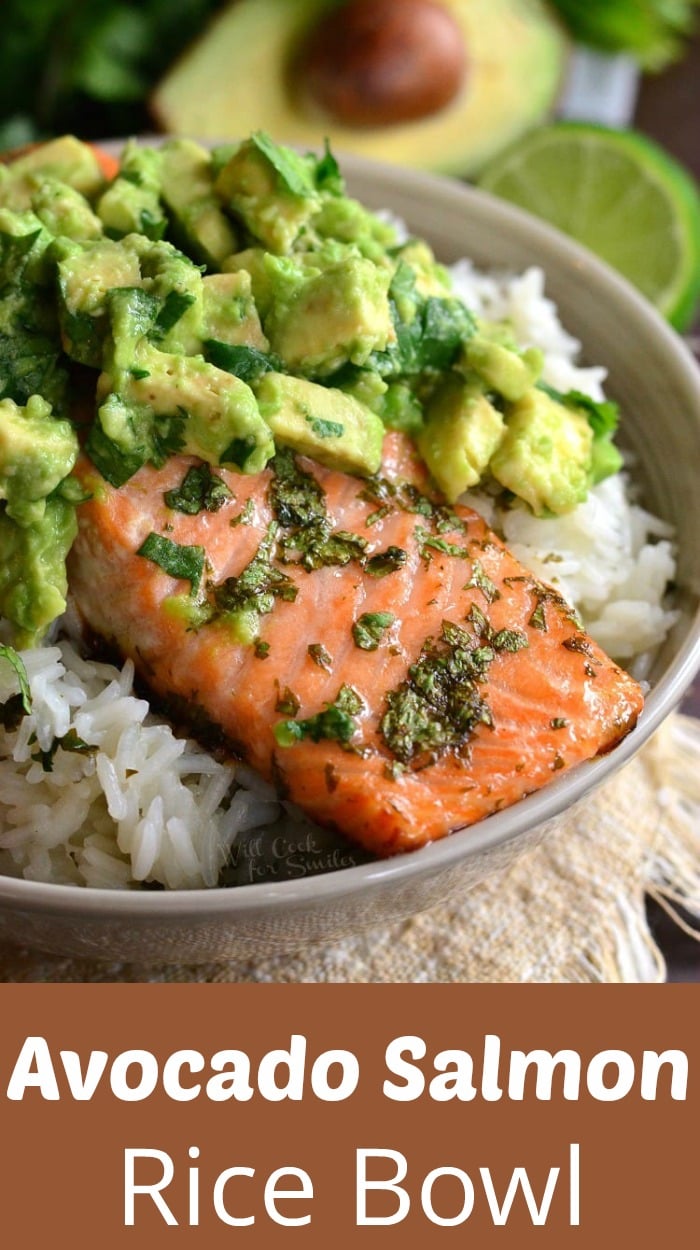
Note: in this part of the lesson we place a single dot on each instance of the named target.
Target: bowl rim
(503, 827)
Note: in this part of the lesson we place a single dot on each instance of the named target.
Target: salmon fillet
(468, 686)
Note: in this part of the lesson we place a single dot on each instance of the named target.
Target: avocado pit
(382, 62)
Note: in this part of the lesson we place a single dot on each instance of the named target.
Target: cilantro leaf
(292, 169)
(14, 659)
(336, 723)
(328, 175)
(186, 563)
(246, 363)
(200, 491)
(370, 628)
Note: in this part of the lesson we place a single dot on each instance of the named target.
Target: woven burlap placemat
(572, 910)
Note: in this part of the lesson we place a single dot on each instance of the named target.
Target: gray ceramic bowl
(658, 386)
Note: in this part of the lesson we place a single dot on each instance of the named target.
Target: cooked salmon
(386, 662)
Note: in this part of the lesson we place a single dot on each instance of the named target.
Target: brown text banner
(273, 1116)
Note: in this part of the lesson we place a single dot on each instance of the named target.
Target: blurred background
(114, 67)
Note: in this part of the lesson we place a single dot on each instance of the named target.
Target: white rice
(146, 806)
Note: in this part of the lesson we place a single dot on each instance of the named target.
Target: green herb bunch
(653, 31)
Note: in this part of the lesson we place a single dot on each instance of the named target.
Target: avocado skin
(240, 75)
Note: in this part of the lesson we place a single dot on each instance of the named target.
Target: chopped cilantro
(295, 496)
(14, 659)
(292, 171)
(246, 363)
(288, 703)
(328, 175)
(500, 640)
(319, 655)
(245, 516)
(69, 742)
(480, 581)
(429, 329)
(370, 628)
(428, 542)
(260, 583)
(321, 548)
(558, 722)
(174, 306)
(326, 429)
(200, 491)
(186, 563)
(298, 503)
(538, 620)
(262, 649)
(385, 562)
(440, 705)
(336, 723)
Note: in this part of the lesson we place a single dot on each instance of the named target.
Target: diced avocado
(85, 276)
(64, 211)
(430, 277)
(176, 282)
(348, 221)
(230, 315)
(154, 403)
(317, 421)
(511, 373)
(131, 203)
(33, 578)
(461, 433)
(36, 452)
(66, 159)
(187, 187)
(37, 523)
(327, 318)
(263, 269)
(272, 189)
(545, 456)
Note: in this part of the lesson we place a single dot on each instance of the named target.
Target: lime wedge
(621, 196)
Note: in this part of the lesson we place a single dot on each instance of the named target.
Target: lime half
(621, 196)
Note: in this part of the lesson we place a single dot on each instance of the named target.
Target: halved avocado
(243, 75)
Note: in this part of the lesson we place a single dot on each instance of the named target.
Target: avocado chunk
(37, 451)
(37, 524)
(237, 76)
(230, 315)
(509, 372)
(545, 456)
(321, 319)
(33, 580)
(131, 203)
(461, 433)
(326, 424)
(430, 277)
(187, 187)
(85, 276)
(272, 189)
(65, 159)
(64, 211)
(348, 221)
(154, 403)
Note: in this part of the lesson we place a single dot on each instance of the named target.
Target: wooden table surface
(668, 110)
